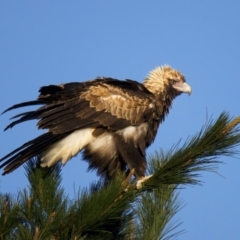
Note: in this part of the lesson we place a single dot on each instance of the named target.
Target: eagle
(112, 122)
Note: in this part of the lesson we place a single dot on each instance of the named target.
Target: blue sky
(53, 42)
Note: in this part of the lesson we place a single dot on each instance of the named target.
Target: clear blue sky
(53, 42)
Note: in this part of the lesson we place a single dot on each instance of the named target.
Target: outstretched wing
(104, 102)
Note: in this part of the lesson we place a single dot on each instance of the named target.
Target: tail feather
(21, 115)
(28, 150)
(25, 117)
(30, 115)
(24, 104)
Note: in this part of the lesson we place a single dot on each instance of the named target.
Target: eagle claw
(141, 181)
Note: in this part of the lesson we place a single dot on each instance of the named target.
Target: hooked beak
(183, 87)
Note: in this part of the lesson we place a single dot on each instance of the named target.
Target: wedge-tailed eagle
(112, 122)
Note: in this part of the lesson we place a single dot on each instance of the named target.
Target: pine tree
(117, 210)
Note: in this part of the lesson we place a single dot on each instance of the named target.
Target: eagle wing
(104, 102)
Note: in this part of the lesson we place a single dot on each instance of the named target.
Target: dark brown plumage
(111, 121)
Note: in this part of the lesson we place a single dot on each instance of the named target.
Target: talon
(140, 181)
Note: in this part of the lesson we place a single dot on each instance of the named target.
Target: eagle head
(165, 80)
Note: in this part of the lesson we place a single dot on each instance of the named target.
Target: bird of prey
(112, 122)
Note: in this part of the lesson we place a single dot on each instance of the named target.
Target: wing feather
(24, 104)
(119, 103)
(104, 102)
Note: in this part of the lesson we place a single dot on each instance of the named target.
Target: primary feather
(111, 121)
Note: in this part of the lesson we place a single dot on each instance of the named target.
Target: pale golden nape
(159, 78)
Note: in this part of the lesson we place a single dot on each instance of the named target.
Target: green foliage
(181, 165)
(8, 215)
(154, 212)
(116, 210)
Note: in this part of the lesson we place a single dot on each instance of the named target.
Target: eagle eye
(172, 81)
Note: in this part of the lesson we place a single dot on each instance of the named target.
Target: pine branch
(155, 211)
(100, 210)
(8, 214)
(181, 165)
(43, 207)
